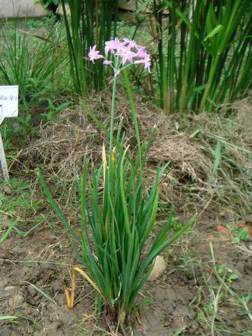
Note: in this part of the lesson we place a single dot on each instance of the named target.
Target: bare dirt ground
(35, 271)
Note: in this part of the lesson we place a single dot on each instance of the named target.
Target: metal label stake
(3, 161)
(8, 109)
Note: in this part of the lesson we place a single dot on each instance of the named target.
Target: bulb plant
(118, 216)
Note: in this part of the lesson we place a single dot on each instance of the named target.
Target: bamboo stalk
(202, 53)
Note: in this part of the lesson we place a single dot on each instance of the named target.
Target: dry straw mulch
(63, 145)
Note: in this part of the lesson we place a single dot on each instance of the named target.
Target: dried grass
(63, 145)
(244, 118)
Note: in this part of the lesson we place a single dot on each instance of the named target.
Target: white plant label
(8, 109)
(8, 102)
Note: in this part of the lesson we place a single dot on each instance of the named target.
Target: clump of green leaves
(240, 234)
(90, 23)
(121, 221)
(30, 61)
(204, 52)
(117, 221)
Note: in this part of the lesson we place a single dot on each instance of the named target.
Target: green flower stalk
(120, 55)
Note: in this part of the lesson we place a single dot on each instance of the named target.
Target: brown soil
(37, 261)
(175, 299)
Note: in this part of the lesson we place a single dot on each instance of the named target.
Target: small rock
(7, 190)
(158, 268)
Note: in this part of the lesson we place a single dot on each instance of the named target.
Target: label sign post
(8, 109)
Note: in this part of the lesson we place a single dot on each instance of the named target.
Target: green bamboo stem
(112, 116)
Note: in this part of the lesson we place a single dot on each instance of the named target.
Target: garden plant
(118, 216)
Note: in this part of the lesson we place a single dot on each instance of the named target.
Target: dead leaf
(7, 190)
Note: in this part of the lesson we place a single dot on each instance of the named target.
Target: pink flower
(112, 45)
(141, 52)
(94, 54)
(107, 62)
(144, 60)
(130, 44)
(127, 52)
(147, 65)
(126, 55)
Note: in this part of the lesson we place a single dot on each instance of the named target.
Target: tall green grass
(204, 52)
(30, 62)
(90, 22)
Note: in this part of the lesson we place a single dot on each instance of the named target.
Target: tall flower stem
(112, 117)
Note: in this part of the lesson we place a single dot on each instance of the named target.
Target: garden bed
(181, 300)
(35, 270)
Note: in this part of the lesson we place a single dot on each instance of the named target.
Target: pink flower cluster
(128, 51)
